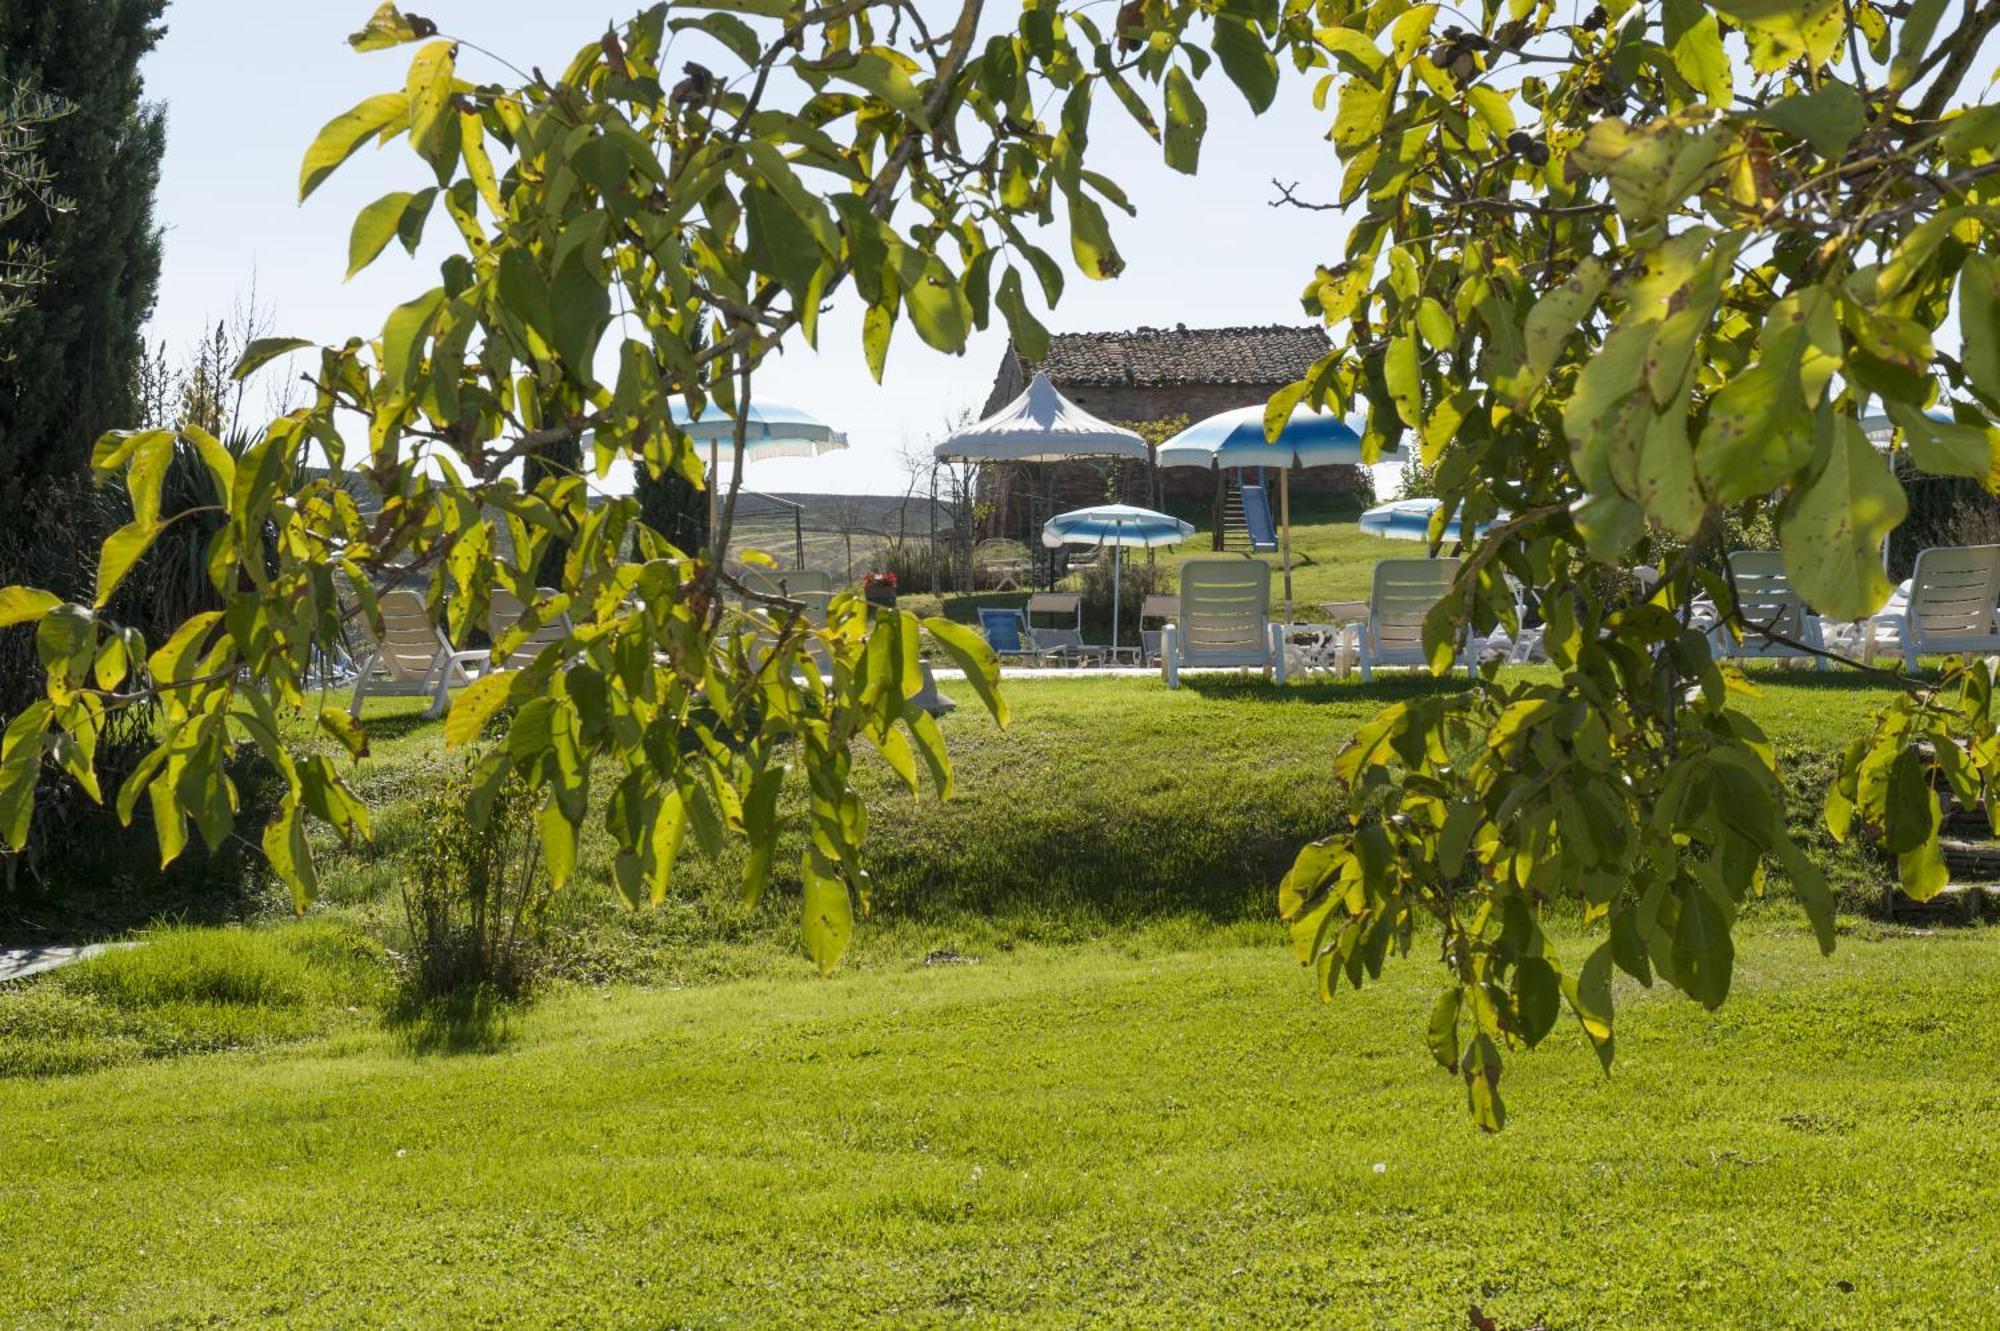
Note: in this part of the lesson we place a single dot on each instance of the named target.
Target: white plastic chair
(414, 656)
(1224, 620)
(1404, 592)
(1954, 603)
(1767, 604)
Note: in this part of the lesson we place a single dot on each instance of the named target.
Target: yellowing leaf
(346, 132)
(475, 705)
(429, 91)
(1187, 121)
(24, 605)
(120, 552)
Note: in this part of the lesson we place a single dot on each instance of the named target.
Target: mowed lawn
(1114, 1100)
(1160, 1140)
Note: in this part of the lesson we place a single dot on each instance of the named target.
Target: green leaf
(1402, 371)
(121, 551)
(1668, 490)
(1537, 998)
(1703, 954)
(1187, 122)
(974, 655)
(760, 827)
(1436, 325)
(1759, 429)
(1913, 40)
(581, 308)
(263, 351)
(429, 91)
(374, 227)
(1694, 41)
(877, 326)
(1442, 1037)
(938, 307)
(345, 133)
(1247, 60)
(1947, 448)
(886, 73)
(1090, 238)
(24, 605)
(829, 912)
(558, 842)
(1410, 31)
(1552, 321)
(732, 32)
(1813, 893)
(1481, 1068)
(1979, 323)
(1781, 31)
(475, 705)
(1030, 337)
(1829, 118)
(1910, 807)
(345, 730)
(285, 846)
(1832, 528)
(1922, 873)
(403, 337)
(1358, 121)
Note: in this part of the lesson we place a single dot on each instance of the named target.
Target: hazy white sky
(247, 83)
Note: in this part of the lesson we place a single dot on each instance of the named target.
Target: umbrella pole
(1285, 519)
(1117, 564)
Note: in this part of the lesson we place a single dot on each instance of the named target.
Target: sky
(247, 84)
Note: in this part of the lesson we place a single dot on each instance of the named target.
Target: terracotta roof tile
(1272, 355)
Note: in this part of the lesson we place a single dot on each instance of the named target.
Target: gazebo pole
(1285, 519)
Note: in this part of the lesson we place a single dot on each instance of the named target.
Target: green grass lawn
(1121, 1135)
(1129, 1110)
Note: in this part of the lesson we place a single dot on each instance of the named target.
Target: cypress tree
(70, 368)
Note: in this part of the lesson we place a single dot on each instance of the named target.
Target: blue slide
(1257, 519)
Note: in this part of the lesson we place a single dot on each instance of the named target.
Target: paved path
(17, 963)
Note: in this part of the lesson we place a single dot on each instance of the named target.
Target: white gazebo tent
(1039, 426)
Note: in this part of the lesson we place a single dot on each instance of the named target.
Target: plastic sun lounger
(1767, 604)
(414, 656)
(1954, 603)
(504, 613)
(1404, 592)
(1224, 621)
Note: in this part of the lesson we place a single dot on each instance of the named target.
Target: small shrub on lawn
(475, 901)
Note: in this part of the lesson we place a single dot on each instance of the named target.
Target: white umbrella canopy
(1041, 425)
(770, 430)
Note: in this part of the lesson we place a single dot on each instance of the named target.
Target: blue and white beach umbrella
(1410, 520)
(1118, 526)
(1236, 439)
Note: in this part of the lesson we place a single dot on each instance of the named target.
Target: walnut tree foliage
(1644, 269)
(1641, 268)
